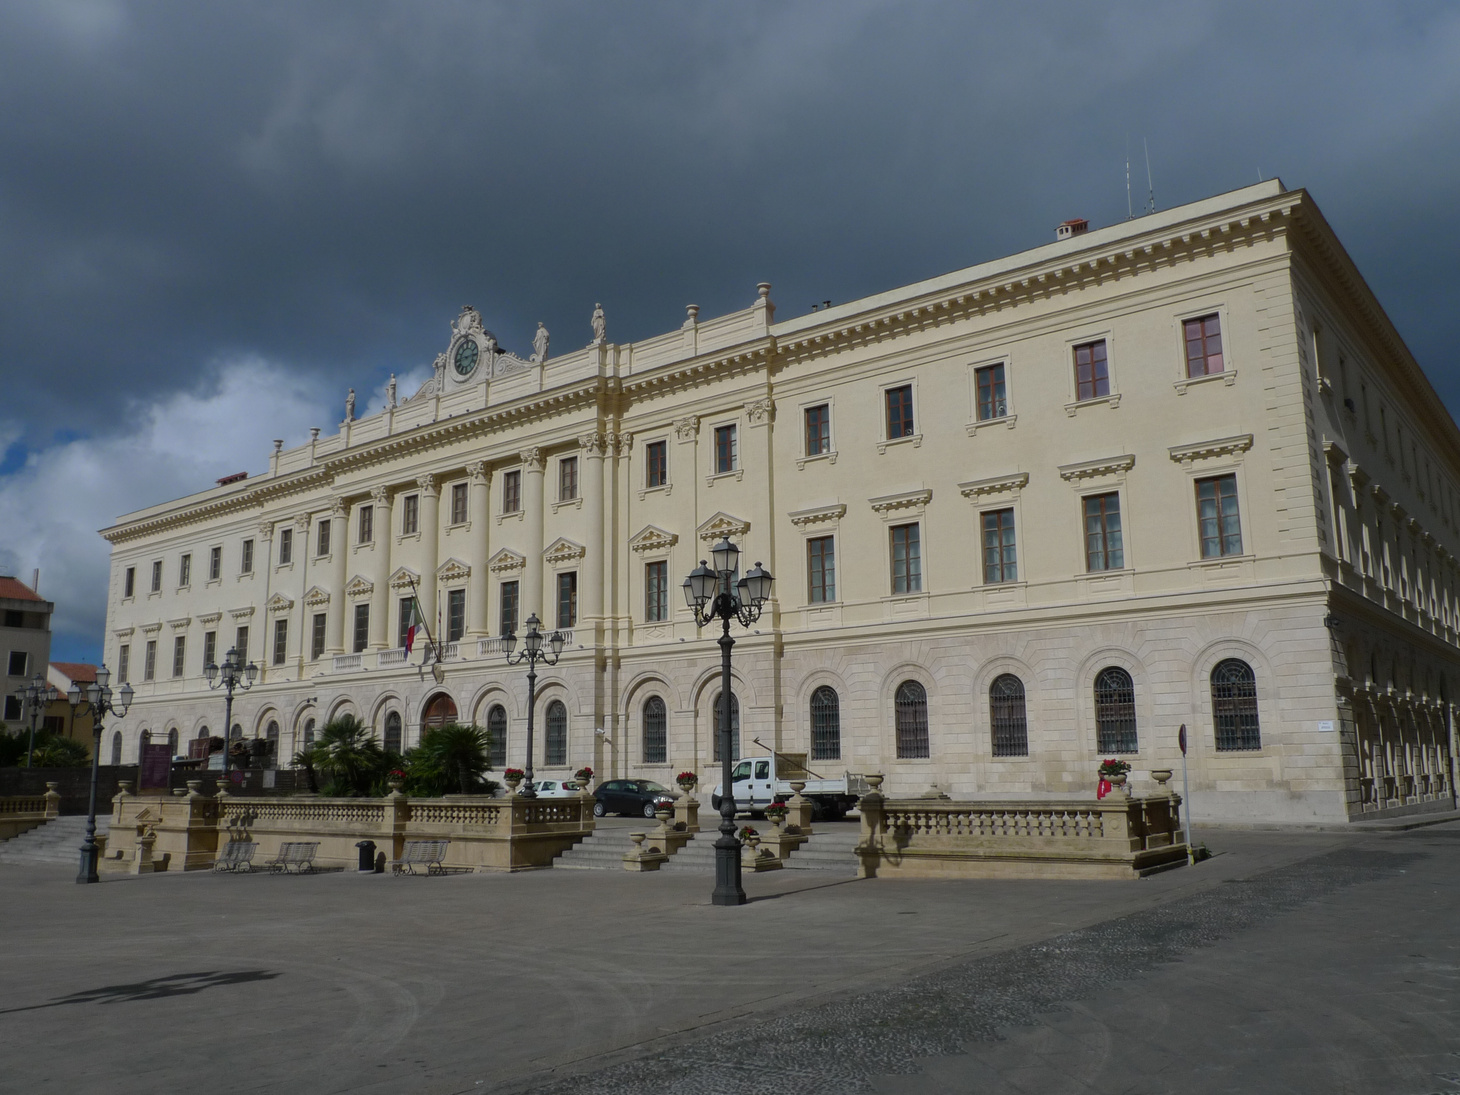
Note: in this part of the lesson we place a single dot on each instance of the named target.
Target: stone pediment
(652, 538)
(979, 489)
(154, 628)
(1095, 469)
(403, 579)
(506, 560)
(359, 586)
(1208, 450)
(453, 570)
(818, 515)
(241, 613)
(149, 815)
(279, 603)
(316, 597)
(207, 618)
(907, 500)
(180, 623)
(562, 550)
(722, 526)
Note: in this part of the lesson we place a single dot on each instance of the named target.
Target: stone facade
(1054, 507)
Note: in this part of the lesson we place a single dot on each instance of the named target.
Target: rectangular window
(818, 430)
(656, 464)
(215, 563)
(410, 514)
(899, 412)
(1103, 550)
(245, 563)
(240, 644)
(455, 615)
(407, 616)
(511, 492)
(1216, 511)
(907, 562)
(821, 569)
(157, 576)
(992, 402)
(316, 640)
(16, 666)
(210, 648)
(1092, 378)
(1203, 346)
(725, 451)
(568, 599)
(367, 524)
(507, 608)
(129, 583)
(1000, 563)
(281, 641)
(124, 663)
(458, 503)
(322, 537)
(362, 627)
(567, 478)
(286, 546)
(185, 571)
(149, 663)
(12, 709)
(656, 591)
(179, 655)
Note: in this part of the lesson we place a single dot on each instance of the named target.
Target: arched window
(236, 732)
(117, 748)
(1007, 716)
(1234, 706)
(912, 721)
(142, 743)
(656, 732)
(734, 727)
(1115, 711)
(172, 743)
(392, 732)
(440, 710)
(497, 727)
(556, 743)
(308, 733)
(271, 735)
(826, 724)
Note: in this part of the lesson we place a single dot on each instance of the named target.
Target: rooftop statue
(350, 406)
(600, 325)
(540, 344)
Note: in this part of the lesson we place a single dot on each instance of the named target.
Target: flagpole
(1186, 797)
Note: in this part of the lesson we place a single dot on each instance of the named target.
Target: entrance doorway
(440, 710)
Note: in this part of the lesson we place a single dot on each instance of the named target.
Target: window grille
(557, 734)
(497, 728)
(734, 727)
(1234, 706)
(656, 736)
(1115, 711)
(912, 721)
(1007, 716)
(826, 724)
(393, 732)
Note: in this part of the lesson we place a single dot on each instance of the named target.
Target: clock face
(466, 357)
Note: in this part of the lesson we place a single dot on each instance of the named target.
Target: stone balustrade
(22, 813)
(1117, 837)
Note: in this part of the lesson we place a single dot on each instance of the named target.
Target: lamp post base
(90, 852)
(727, 873)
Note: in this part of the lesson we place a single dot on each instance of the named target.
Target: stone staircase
(58, 841)
(829, 849)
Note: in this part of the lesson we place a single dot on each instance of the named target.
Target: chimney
(1069, 229)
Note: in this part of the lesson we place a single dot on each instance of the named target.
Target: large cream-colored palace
(1179, 470)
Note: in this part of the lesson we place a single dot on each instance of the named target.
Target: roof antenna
(1129, 211)
(1151, 191)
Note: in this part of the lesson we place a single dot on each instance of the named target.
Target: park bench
(295, 856)
(421, 853)
(237, 856)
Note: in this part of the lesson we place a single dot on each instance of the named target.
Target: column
(479, 513)
(382, 529)
(339, 519)
(594, 449)
(532, 500)
(430, 539)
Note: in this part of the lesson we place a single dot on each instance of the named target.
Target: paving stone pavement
(1290, 962)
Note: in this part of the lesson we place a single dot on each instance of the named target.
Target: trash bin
(367, 855)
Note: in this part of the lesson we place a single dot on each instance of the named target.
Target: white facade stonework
(1337, 586)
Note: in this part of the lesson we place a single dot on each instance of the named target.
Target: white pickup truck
(759, 781)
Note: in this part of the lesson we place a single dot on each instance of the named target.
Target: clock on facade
(466, 357)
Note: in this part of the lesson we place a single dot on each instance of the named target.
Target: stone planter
(1161, 776)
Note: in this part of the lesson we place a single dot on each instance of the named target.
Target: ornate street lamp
(231, 675)
(709, 596)
(532, 653)
(95, 700)
(37, 696)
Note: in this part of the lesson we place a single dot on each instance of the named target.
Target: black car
(631, 797)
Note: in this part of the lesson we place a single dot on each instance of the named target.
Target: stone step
(57, 841)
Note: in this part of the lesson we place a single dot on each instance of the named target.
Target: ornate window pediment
(209, 618)
(722, 526)
(123, 632)
(359, 586)
(179, 624)
(241, 613)
(506, 560)
(1094, 469)
(453, 570)
(562, 550)
(1208, 450)
(652, 538)
(403, 579)
(912, 500)
(979, 489)
(279, 603)
(818, 515)
(316, 597)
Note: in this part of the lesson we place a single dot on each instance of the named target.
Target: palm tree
(350, 755)
(457, 750)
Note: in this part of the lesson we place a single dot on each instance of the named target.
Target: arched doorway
(440, 710)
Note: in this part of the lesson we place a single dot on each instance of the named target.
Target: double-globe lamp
(532, 653)
(95, 700)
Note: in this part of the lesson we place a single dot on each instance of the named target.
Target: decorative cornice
(206, 618)
(316, 597)
(562, 550)
(818, 515)
(1094, 469)
(180, 623)
(359, 586)
(895, 503)
(651, 538)
(1208, 450)
(453, 570)
(279, 603)
(154, 628)
(123, 632)
(977, 489)
(404, 578)
(506, 560)
(241, 613)
(722, 526)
